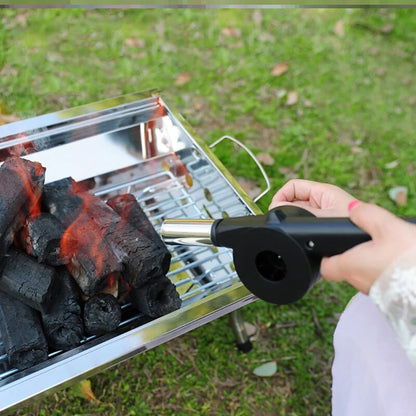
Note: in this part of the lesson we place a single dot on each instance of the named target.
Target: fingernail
(353, 204)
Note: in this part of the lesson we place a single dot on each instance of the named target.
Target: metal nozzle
(188, 232)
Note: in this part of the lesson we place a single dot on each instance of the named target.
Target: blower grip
(277, 256)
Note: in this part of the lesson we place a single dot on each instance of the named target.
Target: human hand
(363, 264)
(321, 199)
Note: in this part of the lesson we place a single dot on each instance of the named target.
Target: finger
(374, 220)
(295, 189)
(344, 266)
(351, 266)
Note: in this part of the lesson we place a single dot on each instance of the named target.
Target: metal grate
(134, 144)
(196, 271)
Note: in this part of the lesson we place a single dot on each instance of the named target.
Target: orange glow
(20, 149)
(85, 237)
(31, 189)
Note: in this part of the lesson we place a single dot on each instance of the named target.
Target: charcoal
(99, 236)
(23, 278)
(21, 332)
(141, 256)
(156, 298)
(21, 183)
(60, 200)
(102, 314)
(92, 258)
(63, 324)
(27, 147)
(41, 237)
(130, 210)
(91, 274)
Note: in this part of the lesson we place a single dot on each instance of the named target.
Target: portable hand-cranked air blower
(277, 255)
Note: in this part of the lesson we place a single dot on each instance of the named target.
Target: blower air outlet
(271, 265)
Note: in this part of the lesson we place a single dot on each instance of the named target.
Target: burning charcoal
(26, 147)
(23, 278)
(21, 183)
(99, 241)
(60, 199)
(41, 238)
(92, 274)
(130, 210)
(93, 259)
(21, 332)
(63, 324)
(156, 298)
(112, 286)
(102, 313)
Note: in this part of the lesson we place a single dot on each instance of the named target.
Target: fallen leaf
(83, 389)
(412, 100)
(281, 93)
(266, 370)
(250, 329)
(183, 78)
(399, 195)
(54, 57)
(339, 29)
(237, 45)
(381, 72)
(356, 149)
(231, 32)
(9, 70)
(307, 103)
(257, 17)
(285, 170)
(198, 105)
(265, 37)
(99, 45)
(392, 164)
(288, 172)
(375, 51)
(139, 55)
(265, 159)
(292, 98)
(250, 186)
(407, 80)
(133, 42)
(387, 29)
(22, 18)
(8, 118)
(279, 69)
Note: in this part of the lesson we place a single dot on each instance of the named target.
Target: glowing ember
(21, 183)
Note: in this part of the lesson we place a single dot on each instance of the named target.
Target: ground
(327, 94)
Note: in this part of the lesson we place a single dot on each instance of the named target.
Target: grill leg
(237, 324)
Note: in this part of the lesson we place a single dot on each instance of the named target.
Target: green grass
(363, 93)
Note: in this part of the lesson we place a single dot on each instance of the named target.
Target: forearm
(394, 292)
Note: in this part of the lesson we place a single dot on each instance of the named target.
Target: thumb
(373, 219)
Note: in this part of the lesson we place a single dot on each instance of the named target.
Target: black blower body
(277, 255)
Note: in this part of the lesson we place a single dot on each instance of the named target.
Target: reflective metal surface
(187, 232)
(134, 144)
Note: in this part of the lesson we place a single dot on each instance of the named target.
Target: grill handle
(277, 255)
(251, 154)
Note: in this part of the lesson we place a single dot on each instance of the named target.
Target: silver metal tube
(187, 232)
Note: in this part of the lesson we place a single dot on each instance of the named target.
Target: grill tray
(134, 144)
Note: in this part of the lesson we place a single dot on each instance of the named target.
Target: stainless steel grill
(134, 144)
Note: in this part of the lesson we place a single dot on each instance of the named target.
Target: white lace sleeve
(394, 292)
